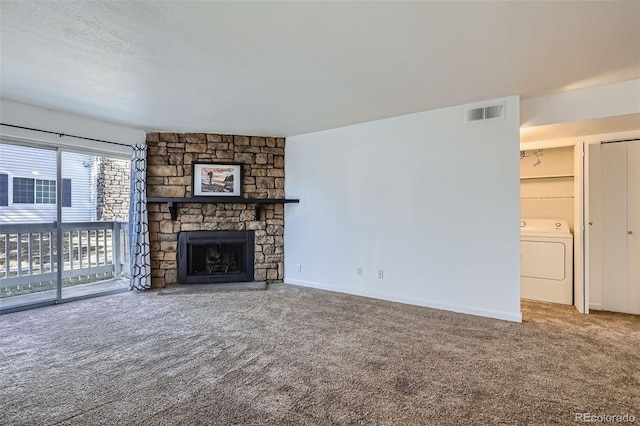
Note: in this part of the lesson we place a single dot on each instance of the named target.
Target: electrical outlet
(299, 267)
(360, 271)
(380, 273)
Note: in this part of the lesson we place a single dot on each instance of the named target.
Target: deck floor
(67, 293)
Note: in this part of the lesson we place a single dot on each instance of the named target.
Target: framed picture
(217, 179)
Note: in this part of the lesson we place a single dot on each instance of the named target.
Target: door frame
(580, 288)
(593, 214)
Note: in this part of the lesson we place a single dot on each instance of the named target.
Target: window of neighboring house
(23, 190)
(33, 191)
(4, 189)
(45, 191)
(66, 192)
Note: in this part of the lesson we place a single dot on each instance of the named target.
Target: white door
(633, 225)
(620, 208)
(580, 284)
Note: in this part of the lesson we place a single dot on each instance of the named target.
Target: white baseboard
(595, 306)
(507, 316)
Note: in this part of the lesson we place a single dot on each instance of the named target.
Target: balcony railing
(91, 251)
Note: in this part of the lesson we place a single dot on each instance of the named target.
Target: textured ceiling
(286, 68)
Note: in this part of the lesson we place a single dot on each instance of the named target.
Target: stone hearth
(170, 158)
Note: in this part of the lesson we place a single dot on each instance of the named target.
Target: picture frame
(217, 180)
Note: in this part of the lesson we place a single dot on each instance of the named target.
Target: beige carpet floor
(298, 356)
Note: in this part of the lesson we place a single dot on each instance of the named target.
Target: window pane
(28, 238)
(23, 165)
(95, 209)
(22, 190)
(66, 192)
(45, 191)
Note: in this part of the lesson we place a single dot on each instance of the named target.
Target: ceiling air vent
(490, 112)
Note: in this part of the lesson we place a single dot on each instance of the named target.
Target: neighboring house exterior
(28, 186)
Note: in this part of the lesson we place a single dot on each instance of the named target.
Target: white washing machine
(546, 260)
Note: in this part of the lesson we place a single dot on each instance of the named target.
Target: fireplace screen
(215, 256)
(218, 258)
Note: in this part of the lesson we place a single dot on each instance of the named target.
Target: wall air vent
(490, 112)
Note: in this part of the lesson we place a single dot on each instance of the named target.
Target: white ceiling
(286, 68)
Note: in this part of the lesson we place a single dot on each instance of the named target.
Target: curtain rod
(63, 134)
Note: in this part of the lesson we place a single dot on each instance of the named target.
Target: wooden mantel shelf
(172, 201)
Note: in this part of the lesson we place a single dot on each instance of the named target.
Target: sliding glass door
(63, 225)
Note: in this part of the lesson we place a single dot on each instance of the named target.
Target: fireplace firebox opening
(209, 257)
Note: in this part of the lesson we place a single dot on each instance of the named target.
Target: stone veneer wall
(113, 189)
(170, 158)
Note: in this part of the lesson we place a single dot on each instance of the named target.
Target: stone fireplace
(207, 257)
(170, 162)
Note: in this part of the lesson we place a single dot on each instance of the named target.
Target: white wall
(18, 114)
(429, 199)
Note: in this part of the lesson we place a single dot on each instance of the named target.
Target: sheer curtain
(138, 223)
